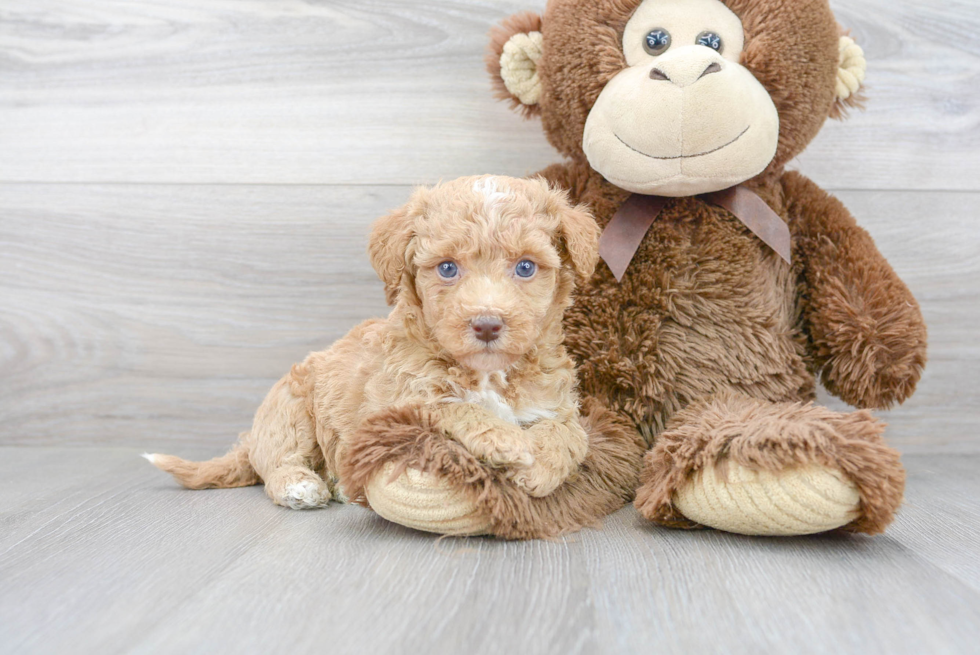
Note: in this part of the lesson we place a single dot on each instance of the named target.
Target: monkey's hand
(867, 334)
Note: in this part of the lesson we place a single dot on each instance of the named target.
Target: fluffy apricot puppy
(480, 272)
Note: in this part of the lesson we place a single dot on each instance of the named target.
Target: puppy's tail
(230, 470)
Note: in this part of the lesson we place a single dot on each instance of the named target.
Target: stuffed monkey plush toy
(728, 283)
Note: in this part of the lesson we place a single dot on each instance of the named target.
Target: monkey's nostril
(487, 328)
(713, 67)
(657, 74)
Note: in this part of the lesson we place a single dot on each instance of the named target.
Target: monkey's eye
(525, 268)
(711, 40)
(448, 270)
(657, 41)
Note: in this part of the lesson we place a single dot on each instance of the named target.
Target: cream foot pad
(424, 502)
(796, 501)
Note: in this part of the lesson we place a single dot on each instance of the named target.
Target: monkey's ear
(512, 60)
(851, 70)
(388, 249)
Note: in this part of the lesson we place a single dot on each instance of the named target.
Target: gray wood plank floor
(101, 554)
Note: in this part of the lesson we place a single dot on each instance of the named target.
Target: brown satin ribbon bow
(622, 236)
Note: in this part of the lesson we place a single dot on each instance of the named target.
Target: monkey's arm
(867, 335)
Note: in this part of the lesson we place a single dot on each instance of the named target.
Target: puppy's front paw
(499, 447)
(306, 494)
(537, 480)
(511, 455)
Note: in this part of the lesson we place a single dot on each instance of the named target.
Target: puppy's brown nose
(487, 328)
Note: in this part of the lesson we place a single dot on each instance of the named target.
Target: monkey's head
(678, 97)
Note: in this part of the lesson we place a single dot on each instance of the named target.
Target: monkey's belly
(687, 322)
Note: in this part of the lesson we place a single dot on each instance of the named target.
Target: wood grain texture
(168, 312)
(394, 92)
(159, 315)
(102, 554)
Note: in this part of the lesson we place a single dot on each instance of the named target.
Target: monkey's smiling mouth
(700, 154)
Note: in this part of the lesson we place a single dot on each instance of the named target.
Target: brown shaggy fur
(603, 483)
(866, 335)
(706, 312)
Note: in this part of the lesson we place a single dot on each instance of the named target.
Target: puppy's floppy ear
(512, 61)
(388, 249)
(579, 235)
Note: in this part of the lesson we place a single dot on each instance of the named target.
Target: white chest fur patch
(494, 403)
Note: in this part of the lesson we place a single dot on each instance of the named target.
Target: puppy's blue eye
(711, 40)
(448, 269)
(525, 268)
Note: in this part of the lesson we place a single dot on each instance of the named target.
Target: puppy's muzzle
(487, 328)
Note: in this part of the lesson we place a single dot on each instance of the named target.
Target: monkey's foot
(801, 500)
(424, 501)
(411, 474)
(759, 468)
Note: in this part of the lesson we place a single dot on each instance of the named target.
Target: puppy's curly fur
(449, 261)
